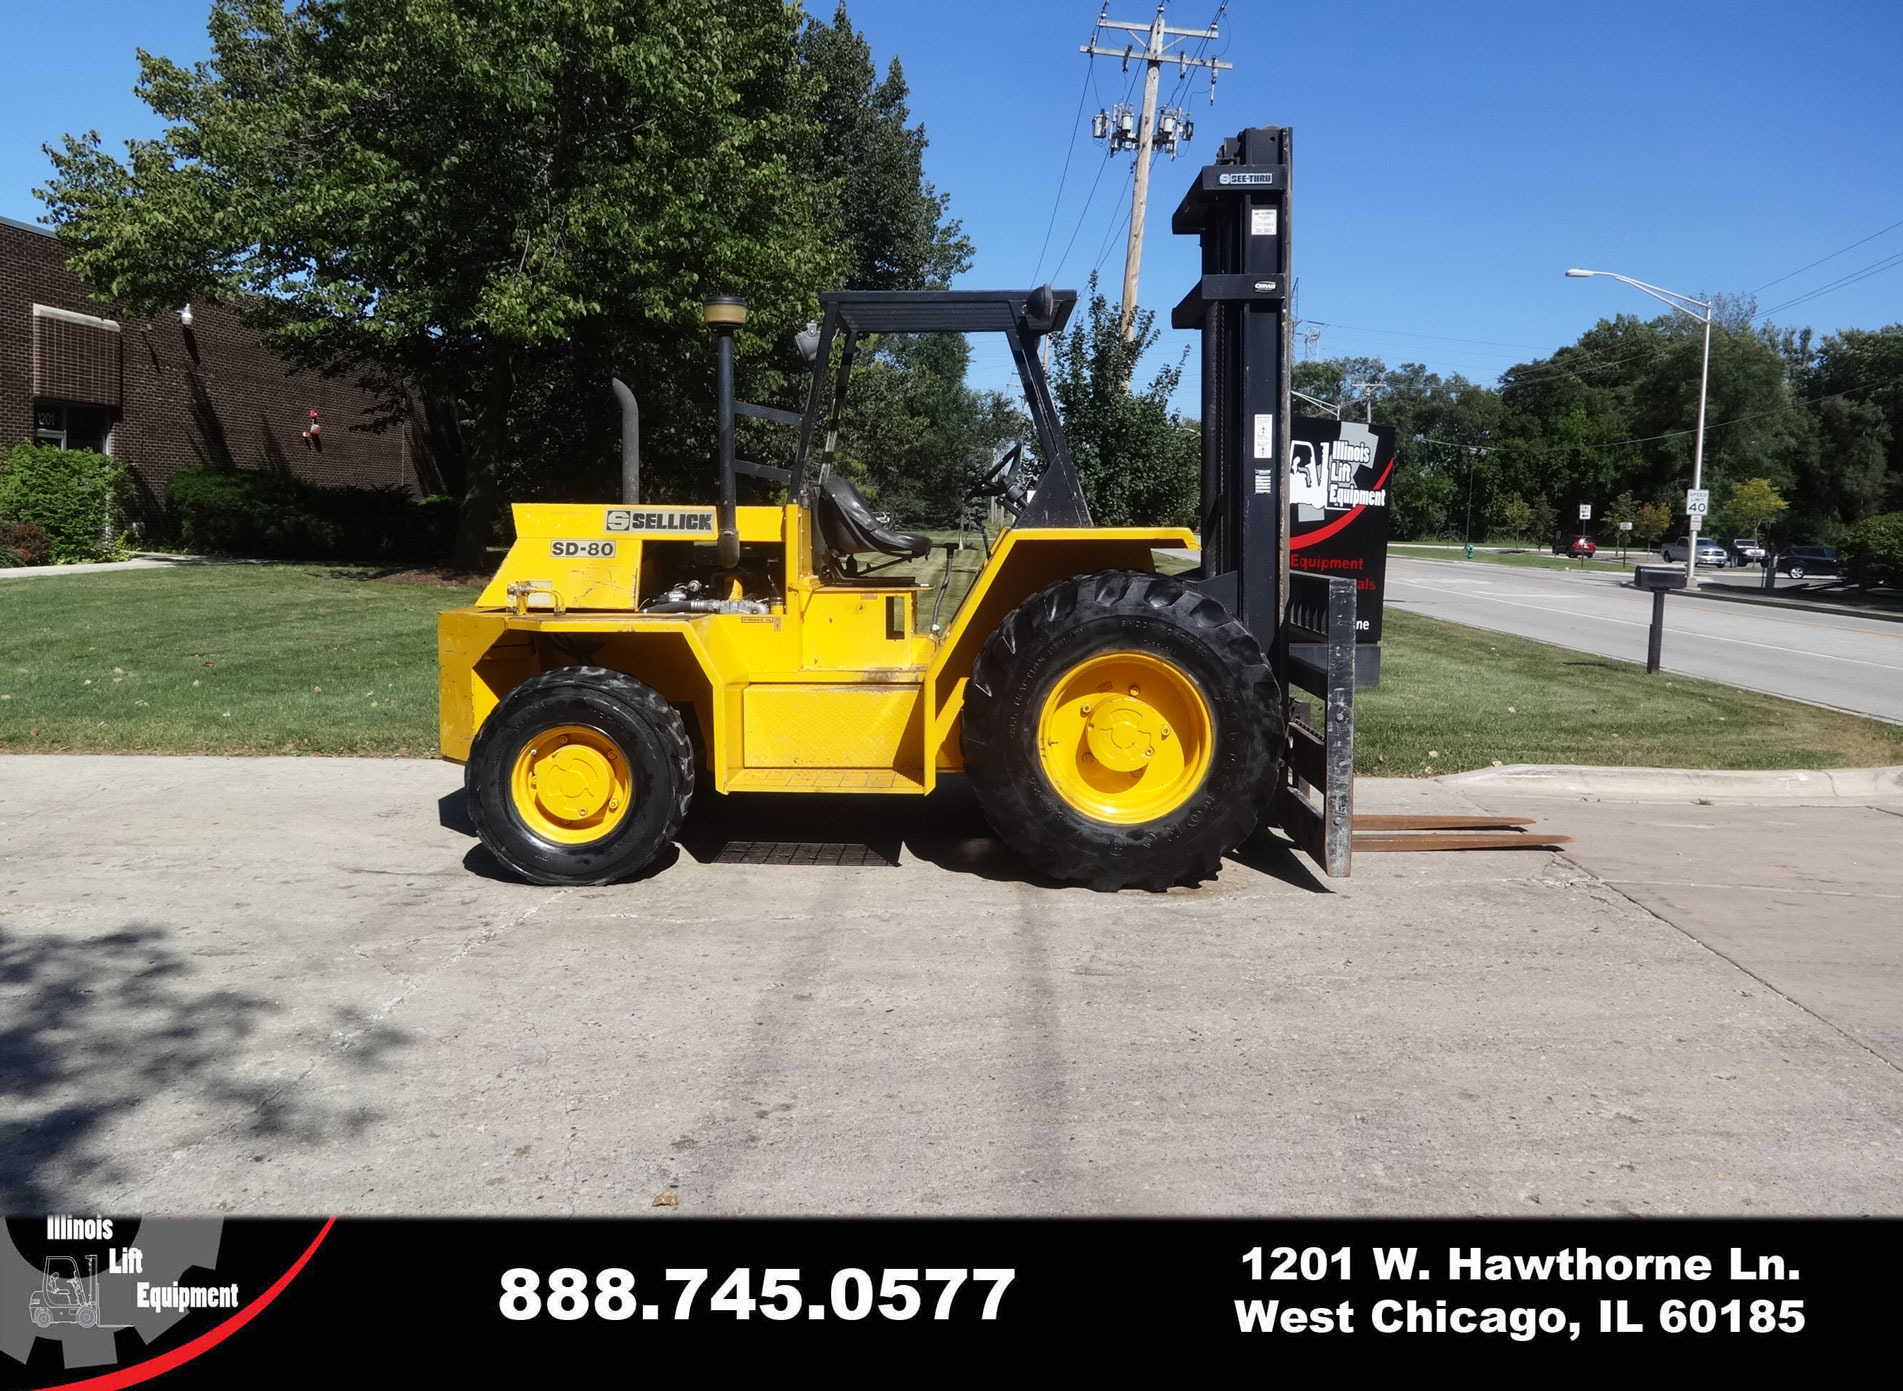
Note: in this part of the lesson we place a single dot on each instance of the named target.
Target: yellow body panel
(834, 690)
(788, 725)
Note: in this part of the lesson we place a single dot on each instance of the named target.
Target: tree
(893, 221)
(1865, 367)
(1650, 523)
(915, 435)
(441, 195)
(1518, 519)
(1874, 550)
(1139, 462)
(1752, 505)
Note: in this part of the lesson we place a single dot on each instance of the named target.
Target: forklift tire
(1123, 729)
(42, 1316)
(580, 776)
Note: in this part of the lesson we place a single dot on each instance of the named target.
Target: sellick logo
(670, 519)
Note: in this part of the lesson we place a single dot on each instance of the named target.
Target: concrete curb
(1861, 785)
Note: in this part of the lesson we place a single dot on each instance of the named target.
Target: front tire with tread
(1073, 622)
(650, 737)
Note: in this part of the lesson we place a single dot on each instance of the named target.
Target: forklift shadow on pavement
(946, 830)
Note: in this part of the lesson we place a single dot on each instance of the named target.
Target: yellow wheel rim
(571, 785)
(1125, 737)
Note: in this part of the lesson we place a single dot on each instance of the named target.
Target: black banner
(1340, 473)
(252, 1302)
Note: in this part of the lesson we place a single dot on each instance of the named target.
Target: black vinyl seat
(847, 527)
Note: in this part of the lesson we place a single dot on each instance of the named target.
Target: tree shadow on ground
(95, 1027)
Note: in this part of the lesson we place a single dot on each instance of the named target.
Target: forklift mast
(1239, 208)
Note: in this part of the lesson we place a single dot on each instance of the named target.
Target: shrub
(21, 543)
(1873, 550)
(73, 496)
(274, 516)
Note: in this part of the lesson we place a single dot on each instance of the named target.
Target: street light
(1682, 303)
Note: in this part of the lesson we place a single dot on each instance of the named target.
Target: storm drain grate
(793, 852)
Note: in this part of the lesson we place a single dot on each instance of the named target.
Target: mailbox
(1659, 577)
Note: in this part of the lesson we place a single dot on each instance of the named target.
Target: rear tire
(1123, 729)
(1796, 572)
(580, 776)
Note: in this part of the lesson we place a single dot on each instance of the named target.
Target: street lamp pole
(1683, 304)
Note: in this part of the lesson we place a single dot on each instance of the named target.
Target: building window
(72, 427)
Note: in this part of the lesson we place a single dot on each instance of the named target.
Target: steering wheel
(996, 482)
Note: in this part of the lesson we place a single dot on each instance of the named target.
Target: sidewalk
(1794, 877)
(141, 560)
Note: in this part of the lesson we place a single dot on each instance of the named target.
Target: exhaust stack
(724, 314)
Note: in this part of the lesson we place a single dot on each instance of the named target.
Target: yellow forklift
(1118, 726)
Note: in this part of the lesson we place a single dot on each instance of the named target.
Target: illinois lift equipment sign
(1339, 475)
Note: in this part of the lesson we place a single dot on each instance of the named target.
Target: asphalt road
(1839, 660)
(296, 985)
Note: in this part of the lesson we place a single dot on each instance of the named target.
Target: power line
(1748, 415)
(1057, 269)
(1821, 259)
(1110, 236)
(1057, 200)
(1403, 333)
(1125, 130)
(1877, 268)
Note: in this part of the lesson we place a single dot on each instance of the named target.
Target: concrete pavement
(1834, 659)
(297, 985)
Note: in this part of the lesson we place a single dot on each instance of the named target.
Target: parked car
(1745, 550)
(1569, 544)
(1709, 552)
(1800, 562)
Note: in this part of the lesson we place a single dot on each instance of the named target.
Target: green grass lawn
(1453, 698)
(220, 658)
(317, 659)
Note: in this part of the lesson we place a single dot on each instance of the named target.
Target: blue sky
(1452, 158)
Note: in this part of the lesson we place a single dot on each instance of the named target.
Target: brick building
(161, 394)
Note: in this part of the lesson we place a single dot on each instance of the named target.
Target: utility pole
(1127, 131)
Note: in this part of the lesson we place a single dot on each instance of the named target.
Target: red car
(1575, 546)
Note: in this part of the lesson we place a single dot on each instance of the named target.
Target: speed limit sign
(1697, 501)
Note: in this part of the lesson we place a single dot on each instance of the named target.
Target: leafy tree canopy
(497, 203)
(1139, 462)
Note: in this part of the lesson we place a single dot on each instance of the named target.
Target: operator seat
(846, 525)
